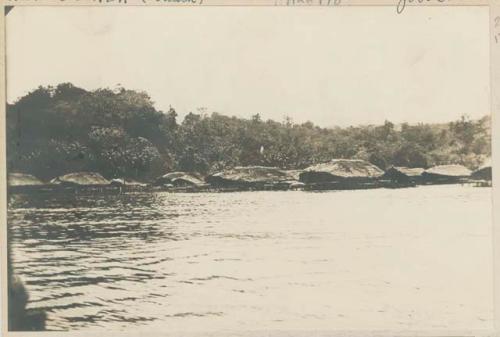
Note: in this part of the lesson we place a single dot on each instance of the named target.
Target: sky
(334, 66)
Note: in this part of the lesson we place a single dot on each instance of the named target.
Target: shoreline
(331, 186)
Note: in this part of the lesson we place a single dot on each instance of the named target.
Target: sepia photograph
(191, 169)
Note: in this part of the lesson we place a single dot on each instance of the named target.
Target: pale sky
(332, 66)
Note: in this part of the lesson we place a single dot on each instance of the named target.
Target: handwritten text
(402, 3)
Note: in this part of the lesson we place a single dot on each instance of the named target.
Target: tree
(120, 133)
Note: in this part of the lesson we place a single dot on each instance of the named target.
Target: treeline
(119, 133)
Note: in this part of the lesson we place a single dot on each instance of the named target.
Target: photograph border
(494, 24)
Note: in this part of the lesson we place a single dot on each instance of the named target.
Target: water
(417, 258)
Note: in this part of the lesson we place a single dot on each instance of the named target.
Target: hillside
(119, 133)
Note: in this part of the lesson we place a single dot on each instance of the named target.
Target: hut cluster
(335, 174)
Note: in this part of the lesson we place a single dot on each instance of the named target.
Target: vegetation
(119, 133)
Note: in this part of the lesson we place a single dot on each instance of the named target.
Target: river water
(416, 258)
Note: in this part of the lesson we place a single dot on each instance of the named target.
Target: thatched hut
(249, 176)
(341, 170)
(117, 182)
(296, 185)
(23, 180)
(403, 175)
(180, 179)
(120, 182)
(484, 172)
(446, 174)
(81, 179)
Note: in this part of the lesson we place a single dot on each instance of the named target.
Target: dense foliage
(119, 133)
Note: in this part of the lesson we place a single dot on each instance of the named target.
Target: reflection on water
(370, 259)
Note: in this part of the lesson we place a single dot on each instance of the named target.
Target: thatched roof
(22, 179)
(118, 182)
(249, 175)
(183, 178)
(81, 179)
(341, 169)
(134, 183)
(123, 182)
(448, 171)
(296, 184)
(409, 171)
(403, 174)
(484, 172)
